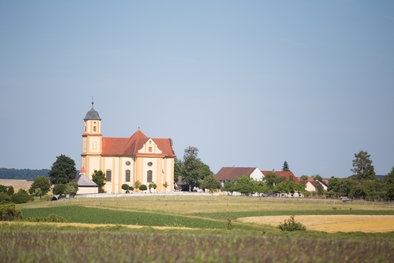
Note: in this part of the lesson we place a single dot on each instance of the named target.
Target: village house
(227, 174)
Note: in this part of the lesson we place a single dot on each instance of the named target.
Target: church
(126, 160)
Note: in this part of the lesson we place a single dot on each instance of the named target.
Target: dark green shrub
(59, 189)
(291, 225)
(3, 188)
(22, 196)
(143, 187)
(10, 190)
(4, 198)
(9, 213)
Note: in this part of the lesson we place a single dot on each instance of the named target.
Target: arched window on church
(127, 176)
(149, 179)
(94, 128)
(108, 175)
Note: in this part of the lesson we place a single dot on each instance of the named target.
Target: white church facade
(126, 160)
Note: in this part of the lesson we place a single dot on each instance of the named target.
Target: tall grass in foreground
(65, 246)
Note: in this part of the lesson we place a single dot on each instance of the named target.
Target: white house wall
(257, 175)
(309, 187)
(87, 190)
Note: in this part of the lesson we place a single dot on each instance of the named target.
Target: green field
(156, 228)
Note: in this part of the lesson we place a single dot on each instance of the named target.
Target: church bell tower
(91, 142)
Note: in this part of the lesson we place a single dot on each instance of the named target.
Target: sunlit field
(199, 228)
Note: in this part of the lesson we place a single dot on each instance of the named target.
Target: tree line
(22, 174)
(363, 183)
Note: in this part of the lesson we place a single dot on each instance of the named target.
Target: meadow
(169, 228)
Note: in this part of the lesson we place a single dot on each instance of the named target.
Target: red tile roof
(232, 173)
(286, 174)
(130, 146)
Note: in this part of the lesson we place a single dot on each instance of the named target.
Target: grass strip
(89, 215)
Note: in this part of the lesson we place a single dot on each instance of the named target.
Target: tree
(143, 187)
(285, 166)
(272, 180)
(204, 171)
(4, 198)
(362, 167)
(177, 169)
(10, 190)
(211, 183)
(99, 178)
(42, 183)
(137, 184)
(229, 186)
(245, 185)
(20, 197)
(152, 185)
(304, 179)
(260, 187)
(71, 189)
(3, 189)
(190, 167)
(389, 184)
(318, 178)
(341, 186)
(63, 170)
(59, 189)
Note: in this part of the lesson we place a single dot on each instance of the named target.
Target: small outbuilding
(85, 184)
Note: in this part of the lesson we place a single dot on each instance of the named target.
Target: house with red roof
(126, 160)
(226, 174)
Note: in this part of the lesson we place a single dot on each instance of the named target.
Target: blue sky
(249, 83)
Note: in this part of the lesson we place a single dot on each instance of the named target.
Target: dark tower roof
(92, 114)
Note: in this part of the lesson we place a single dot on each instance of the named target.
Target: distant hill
(24, 174)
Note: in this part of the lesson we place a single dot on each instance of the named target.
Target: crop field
(17, 184)
(166, 228)
(333, 223)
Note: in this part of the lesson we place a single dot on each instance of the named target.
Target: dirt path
(333, 223)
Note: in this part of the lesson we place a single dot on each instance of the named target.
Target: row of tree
(40, 187)
(22, 174)
(363, 184)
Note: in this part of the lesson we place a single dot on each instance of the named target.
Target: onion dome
(92, 114)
